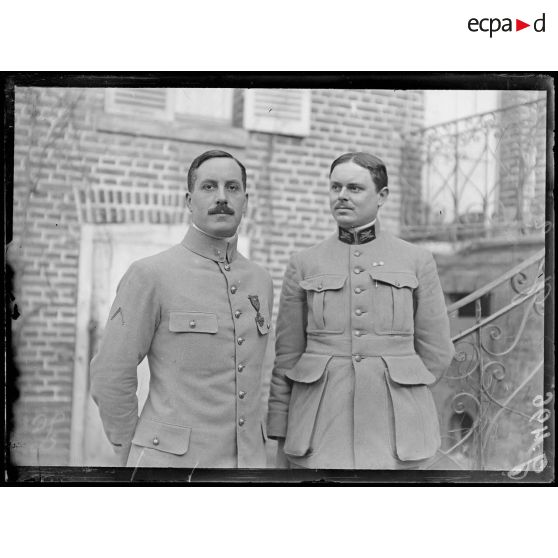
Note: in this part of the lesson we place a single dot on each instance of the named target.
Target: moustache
(221, 210)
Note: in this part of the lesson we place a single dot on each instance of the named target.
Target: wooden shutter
(278, 111)
(149, 102)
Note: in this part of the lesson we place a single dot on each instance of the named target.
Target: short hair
(373, 164)
(212, 154)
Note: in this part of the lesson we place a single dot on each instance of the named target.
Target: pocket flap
(323, 283)
(161, 436)
(395, 278)
(193, 322)
(309, 368)
(408, 370)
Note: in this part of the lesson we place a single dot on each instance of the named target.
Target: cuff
(277, 425)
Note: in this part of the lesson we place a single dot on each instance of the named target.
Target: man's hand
(281, 461)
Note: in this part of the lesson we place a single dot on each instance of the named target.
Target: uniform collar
(359, 235)
(216, 249)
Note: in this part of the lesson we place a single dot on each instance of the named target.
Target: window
(210, 105)
(278, 111)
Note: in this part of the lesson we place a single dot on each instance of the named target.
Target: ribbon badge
(255, 301)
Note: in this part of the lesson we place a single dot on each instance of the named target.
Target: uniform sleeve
(289, 346)
(432, 332)
(133, 319)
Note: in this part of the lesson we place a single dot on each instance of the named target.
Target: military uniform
(201, 312)
(361, 333)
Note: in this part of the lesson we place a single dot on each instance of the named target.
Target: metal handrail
(493, 284)
(476, 115)
(499, 313)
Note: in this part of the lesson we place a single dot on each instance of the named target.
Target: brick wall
(291, 174)
(70, 165)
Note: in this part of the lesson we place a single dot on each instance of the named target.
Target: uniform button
(358, 312)
(237, 314)
(240, 367)
(397, 283)
(374, 264)
(357, 270)
(358, 290)
(380, 263)
(241, 421)
(155, 441)
(358, 358)
(192, 324)
(227, 267)
(357, 254)
(320, 287)
(241, 394)
(358, 333)
(240, 340)
(233, 289)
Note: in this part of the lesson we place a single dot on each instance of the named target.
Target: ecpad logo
(494, 24)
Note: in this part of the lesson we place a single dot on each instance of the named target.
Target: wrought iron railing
(491, 398)
(474, 177)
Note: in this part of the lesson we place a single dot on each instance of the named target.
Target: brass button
(240, 340)
(397, 284)
(358, 312)
(241, 394)
(227, 267)
(358, 358)
(357, 270)
(374, 264)
(155, 441)
(358, 290)
(241, 421)
(380, 263)
(357, 254)
(233, 289)
(193, 324)
(320, 287)
(240, 367)
(358, 333)
(237, 314)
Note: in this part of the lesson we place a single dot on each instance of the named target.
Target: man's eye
(335, 187)
(233, 187)
(208, 186)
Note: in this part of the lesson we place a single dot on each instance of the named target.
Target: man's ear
(383, 195)
(188, 198)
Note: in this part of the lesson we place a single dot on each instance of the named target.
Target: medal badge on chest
(255, 301)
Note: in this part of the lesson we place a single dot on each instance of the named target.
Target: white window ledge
(183, 130)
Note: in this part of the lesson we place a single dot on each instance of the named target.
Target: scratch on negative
(192, 473)
(118, 311)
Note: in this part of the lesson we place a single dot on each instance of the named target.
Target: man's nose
(221, 195)
(343, 194)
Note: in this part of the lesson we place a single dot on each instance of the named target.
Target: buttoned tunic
(362, 332)
(188, 309)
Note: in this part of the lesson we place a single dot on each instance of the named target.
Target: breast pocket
(193, 322)
(326, 308)
(392, 301)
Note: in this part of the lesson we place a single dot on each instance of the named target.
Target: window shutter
(278, 111)
(150, 102)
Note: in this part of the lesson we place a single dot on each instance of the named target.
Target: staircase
(493, 407)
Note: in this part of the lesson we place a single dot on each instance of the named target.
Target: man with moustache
(362, 332)
(201, 312)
